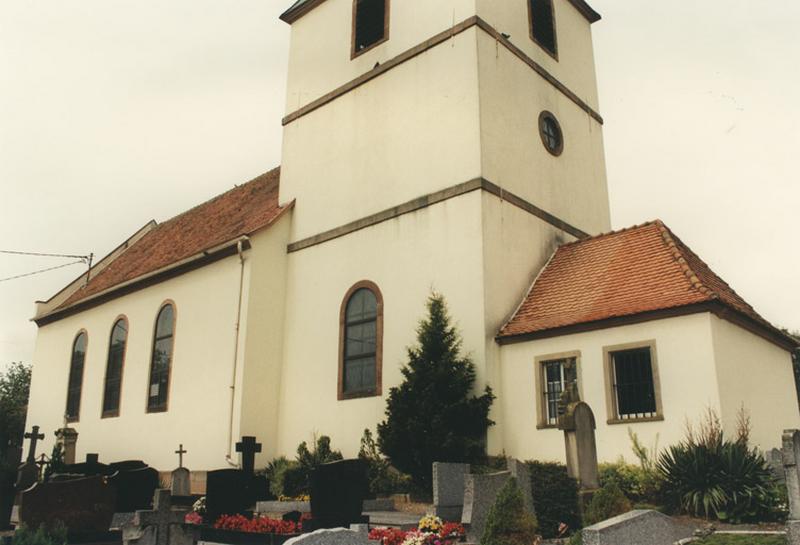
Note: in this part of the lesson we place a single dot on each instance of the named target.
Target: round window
(550, 131)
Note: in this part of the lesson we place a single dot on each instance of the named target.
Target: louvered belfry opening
(370, 23)
(543, 24)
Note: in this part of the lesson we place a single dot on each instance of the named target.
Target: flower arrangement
(200, 506)
(431, 531)
(193, 517)
(257, 525)
(301, 497)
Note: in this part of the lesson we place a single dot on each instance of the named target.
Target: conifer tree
(434, 416)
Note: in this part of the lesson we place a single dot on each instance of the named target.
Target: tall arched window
(75, 383)
(114, 365)
(361, 342)
(161, 360)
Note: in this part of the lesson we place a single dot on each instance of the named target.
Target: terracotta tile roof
(240, 211)
(625, 273)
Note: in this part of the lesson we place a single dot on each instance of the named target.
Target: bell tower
(451, 144)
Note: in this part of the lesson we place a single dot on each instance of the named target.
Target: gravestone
(135, 487)
(248, 447)
(338, 490)
(85, 504)
(68, 439)
(161, 526)
(522, 473)
(791, 466)
(28, 472)
(232, 491)
(578, 425)
(480, 493)
(181, 477)
(774, 458)
(640, 527)
(336, 536)
(448, 490)
(7, 491)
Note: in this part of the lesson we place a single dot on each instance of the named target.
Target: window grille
(634, 387)
(557, 374)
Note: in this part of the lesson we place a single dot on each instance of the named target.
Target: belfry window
(370, 24)
(161, 360)
(114, 364)
(361, 342)
(75, 382)
(543, 25)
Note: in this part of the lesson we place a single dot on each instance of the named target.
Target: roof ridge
(219, 196)
(607, 234)
(675, 245)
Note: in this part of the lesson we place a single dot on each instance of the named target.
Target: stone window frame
(115, 413)
(77, 417)
(539, 383)
(608, 373)
(386, 18)
(543, 47)
(341, 395)
(165, 408)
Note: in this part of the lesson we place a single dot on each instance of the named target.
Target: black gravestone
(127, 465)
(135, 488)
(85, 504)
(91, 467)
(338, 490)
(231, 492)
(7, 492)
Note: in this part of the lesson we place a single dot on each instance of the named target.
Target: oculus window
(370, 24)
(361, 340)
(116, 360)
(161, 360)
(551, 134)
(75, 382)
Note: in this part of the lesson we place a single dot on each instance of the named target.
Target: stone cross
(248, 447)
(161, 519)
(791, 465)
(34, 436)
(180, 452)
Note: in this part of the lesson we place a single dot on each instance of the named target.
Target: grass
(725, 539)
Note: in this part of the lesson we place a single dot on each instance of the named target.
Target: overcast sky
(115, 112)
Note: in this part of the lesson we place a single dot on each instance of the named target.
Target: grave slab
(336, 536)
(639, 527)
(448, 490)
(87, 504)
(480, 492)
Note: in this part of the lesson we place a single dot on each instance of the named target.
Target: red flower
(256, 525)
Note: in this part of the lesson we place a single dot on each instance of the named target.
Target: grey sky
(114, 112)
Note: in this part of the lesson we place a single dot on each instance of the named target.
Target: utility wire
(39, 254)
(41, 271)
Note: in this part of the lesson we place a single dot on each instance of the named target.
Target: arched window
(543, 25)
(116, 360)
(361, 342)
(75, 382)
(161, 360)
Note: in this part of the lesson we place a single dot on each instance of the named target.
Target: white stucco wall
(321, 41)
(756, 375)
(571, 186)
(689, 386)
(438, 248)
(408, 133)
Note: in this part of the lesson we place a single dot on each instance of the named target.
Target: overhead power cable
(42, 271)
(40, 254)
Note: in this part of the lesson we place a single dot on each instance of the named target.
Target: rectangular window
(633, 384)
(543, 25)
(370, 24)
(553, 377)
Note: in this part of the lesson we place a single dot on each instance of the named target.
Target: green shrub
(576, 539)
(383, 478)
(434, 415)
(707, 475)
(275, 473)
(626, 476)
(508, 522)
(56, 535)
(606, 503)
(555, 497)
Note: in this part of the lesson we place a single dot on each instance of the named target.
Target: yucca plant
(707, 475)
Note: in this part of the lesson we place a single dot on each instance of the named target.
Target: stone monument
(68, 439)
(576, 420)
(480, 493)
(448, 490)
(161, 526)
(791, 459)
(181, 477)
(248, 448)
(28, 472)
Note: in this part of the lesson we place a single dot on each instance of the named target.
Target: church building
(454, 146)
